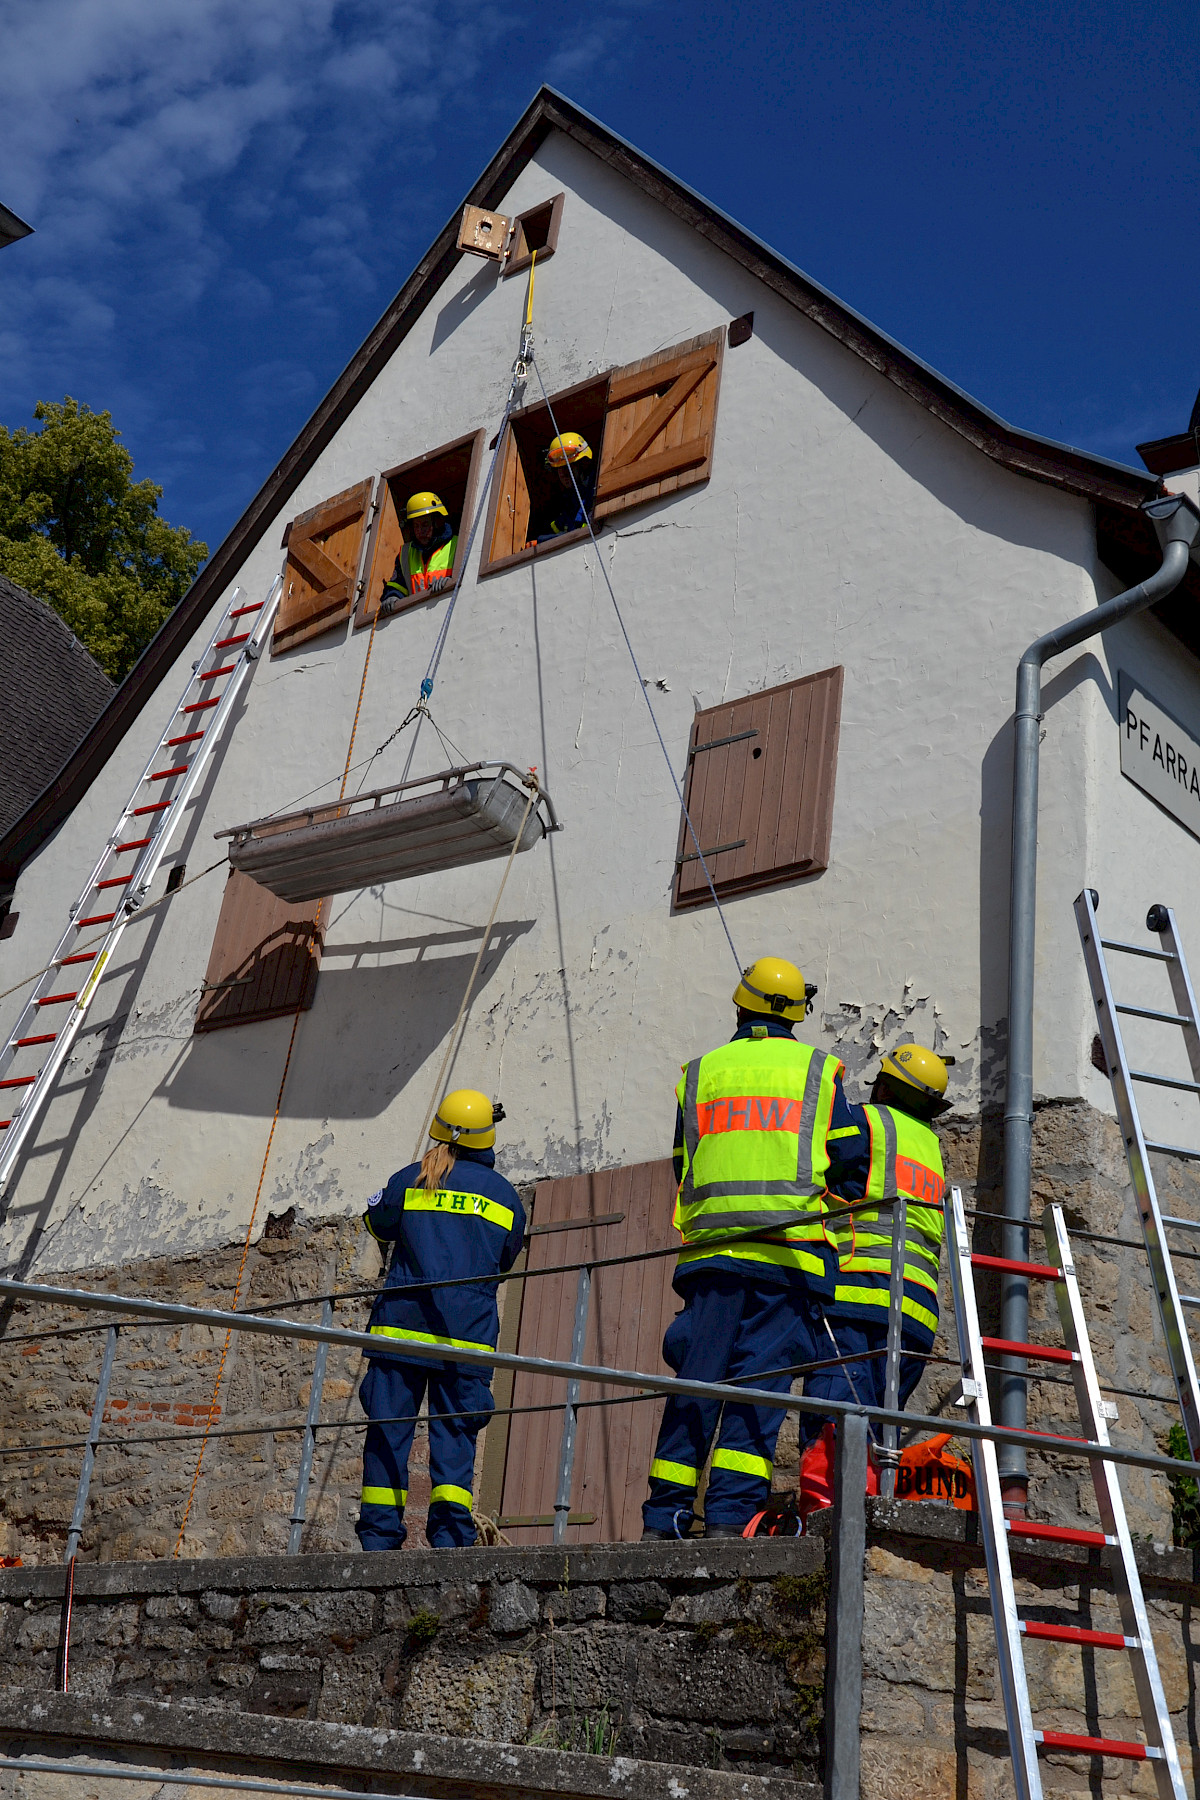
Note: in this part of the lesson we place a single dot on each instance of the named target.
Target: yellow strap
(529, 299)
(377, 1496)
(677, 1472)
(743, 1463)
(456, 1495)
(425, 1337)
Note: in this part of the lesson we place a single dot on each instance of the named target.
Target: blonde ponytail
(436, 1164)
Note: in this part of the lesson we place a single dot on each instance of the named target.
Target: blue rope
(642, 684)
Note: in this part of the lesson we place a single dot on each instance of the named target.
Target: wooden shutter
(760, 786)
(659, 428)
(631, 1307)
(324, 547)
(264, 958)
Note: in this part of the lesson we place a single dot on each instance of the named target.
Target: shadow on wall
(460, 306)
(369, 1032)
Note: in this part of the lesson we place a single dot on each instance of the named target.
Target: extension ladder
(154, 810)
(1094, 1414)
(1171, 1303)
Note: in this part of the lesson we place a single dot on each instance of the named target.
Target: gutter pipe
(1177, 523)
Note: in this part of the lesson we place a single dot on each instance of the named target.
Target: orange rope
(262, 1174)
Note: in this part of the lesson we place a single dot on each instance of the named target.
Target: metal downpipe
(1177, 523)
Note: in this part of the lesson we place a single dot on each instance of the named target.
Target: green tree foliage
(81, 534)
(1185, 1494)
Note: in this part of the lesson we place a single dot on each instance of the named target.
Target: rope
(451, 1047)
(262, 1173)
(641, 681)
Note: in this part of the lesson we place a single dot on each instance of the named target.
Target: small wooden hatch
(443, 821)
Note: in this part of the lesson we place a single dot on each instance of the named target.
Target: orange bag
(928, 1471)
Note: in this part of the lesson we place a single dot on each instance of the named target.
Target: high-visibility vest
(756, 1115)
(906, 1163)
(417, 575)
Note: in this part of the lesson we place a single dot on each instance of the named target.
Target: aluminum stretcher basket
(419, 827)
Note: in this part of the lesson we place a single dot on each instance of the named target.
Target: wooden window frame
(787, 799)
(622, 412)
(388, 532)
(520, 255)
(564, 404)
(290, 986)
(328, 608)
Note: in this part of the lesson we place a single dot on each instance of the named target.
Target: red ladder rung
(4, 1124)
(58, 999)
(114, 881)
(133, 844)
(166, 774)
(94, 919)
(238, 611)
(1039, 1271)
(154, 806)
(1078, 1634)
(200, 705)
(1057, 1534)
(212, 674)
(83, 956)
(226, 643)
(19, 1081)
(44, 1037)
(1040, 1352)
(189, 737)
(1091, 1746)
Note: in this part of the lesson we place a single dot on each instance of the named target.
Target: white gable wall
(842, 524)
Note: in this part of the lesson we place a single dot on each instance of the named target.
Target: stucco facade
(842, 524)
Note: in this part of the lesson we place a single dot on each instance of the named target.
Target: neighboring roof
(1114, 488)
(12, 228)
(53, 692)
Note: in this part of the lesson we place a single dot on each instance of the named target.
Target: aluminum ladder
(152, 814)
(1172, 1305)
(1135, 1639)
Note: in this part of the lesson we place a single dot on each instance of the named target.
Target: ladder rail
(1158, 1252)
(37, 1093)
(1014, 1687)
(1094, 1414)
(1181, 981)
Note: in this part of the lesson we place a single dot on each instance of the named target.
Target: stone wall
(709, 1656)
(620, 1660)
(164, 1377)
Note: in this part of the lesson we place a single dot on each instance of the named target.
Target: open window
(320, 575)
(650, 426)
(452, 472)
(760, 782)
(535, 229)
(264, 958)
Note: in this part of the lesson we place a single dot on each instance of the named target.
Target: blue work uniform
(566, 513)
(740, 1319)
(472, 1226)
(860, 1330)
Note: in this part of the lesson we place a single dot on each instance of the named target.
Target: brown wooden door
(264, 958)
(320, 576)
(631, 1306)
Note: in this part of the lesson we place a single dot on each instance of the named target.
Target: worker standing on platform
(425, 564)
(566, 455)
(897, 1157)
(449, 1216)
(751, 1155)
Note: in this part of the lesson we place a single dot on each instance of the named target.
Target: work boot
(650, 1536)
(726, 1531)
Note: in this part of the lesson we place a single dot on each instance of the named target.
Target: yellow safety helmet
(422, 504)
(918, 1068)
(467, 1117)
(568, 447)
(775, 986)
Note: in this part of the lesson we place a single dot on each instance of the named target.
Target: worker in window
(451, 1219)
(896, 1155)
(755, 1269)
(570, 504)
(425, 564)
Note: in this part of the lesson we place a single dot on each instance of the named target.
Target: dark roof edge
(1025, 453)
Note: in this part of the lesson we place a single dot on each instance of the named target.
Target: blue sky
(227, 193)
